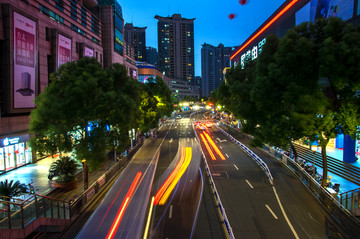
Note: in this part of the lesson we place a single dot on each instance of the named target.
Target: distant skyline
(211, 25)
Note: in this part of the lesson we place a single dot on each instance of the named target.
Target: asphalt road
(255, 208)
(176, 218)
(122, 212)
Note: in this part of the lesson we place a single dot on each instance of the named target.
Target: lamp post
(85, 174)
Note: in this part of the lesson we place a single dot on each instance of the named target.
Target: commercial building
(152, 56)
(135, 36)
(288, 15)
(110, 14)
(176, 46)
(213, 61)
(36, 37)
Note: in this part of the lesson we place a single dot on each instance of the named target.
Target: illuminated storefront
(14, 152)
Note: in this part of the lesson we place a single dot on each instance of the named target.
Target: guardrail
(258, 160)
(228, 229)
(347, 222)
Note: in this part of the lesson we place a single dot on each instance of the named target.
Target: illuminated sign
(10, 141)
(285, 9)
(253, 53)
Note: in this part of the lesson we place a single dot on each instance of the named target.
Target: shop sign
(14, 140)
(253, 53)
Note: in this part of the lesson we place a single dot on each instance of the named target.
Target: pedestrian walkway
(37, 175)
(345, 185)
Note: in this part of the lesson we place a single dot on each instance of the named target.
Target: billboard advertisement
(63, 50)
(24, 61)
(88, 52)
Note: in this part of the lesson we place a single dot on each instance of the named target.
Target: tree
(84, 109)
(12, 189)
(156, 103)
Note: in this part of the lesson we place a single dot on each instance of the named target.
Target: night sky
(212, 24)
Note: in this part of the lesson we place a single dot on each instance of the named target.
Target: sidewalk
(37, 175)
(345, 185)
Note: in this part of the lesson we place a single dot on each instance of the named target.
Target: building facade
(152, 56)
(110, 14)
(36, 37)
(136, 37)
(176, 46)
(213, 61)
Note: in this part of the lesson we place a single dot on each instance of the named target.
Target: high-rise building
(213, 61)
(110, 14)
(152, 56)
(135, 36)
(176, 46)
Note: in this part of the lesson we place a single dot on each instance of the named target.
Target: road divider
(258, 160)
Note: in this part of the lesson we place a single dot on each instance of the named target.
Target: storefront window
(2, 158)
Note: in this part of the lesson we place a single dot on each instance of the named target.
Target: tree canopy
(302, 85)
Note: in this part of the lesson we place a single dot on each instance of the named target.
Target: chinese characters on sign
(24, 61)
(64, 50)
(253, 53)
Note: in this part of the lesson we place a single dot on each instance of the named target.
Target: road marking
(220, 147)
(236, 167)
(171, 140)
(249, 184)
(286, 218)
(267, 206)
(170, 211)
(227, 155)
(313, 218)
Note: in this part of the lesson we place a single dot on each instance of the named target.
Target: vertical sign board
(88, 52)
(63, 50)
(24, 61)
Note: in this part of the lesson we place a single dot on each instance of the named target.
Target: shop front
(14, 152)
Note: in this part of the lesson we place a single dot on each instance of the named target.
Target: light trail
(178, 176)
(217, 150)
(171, 177)
(123, 207)
(208, 147)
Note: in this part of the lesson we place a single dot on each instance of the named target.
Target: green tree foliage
(85, 108)
(302, 85)
(64, 169)
(156, 103)
(12, 189)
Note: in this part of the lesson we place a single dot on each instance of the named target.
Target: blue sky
(212, 24)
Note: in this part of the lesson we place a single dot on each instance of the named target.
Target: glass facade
(14, 153)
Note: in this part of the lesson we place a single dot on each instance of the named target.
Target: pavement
(37, 175)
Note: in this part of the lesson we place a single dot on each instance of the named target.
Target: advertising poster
(88, 52)
(24, 61)
(64, 50)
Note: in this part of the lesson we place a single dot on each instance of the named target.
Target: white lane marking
(313, 218)
(170, 211)
(283, 211)
(236, 167)
(227, 155)
(267, 206)
(249, 184)
(220, 147)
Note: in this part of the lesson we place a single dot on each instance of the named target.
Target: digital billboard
(24, 61)
(63, 50)
(88, 52)
(331, 8)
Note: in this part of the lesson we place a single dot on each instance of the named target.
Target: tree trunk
(324, 158)
(293, 149)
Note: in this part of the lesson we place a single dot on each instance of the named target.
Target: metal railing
(258, 160)
(228, 229)
(350, 201)
(18, 215)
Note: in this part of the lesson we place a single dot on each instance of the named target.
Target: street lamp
(85, 174)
